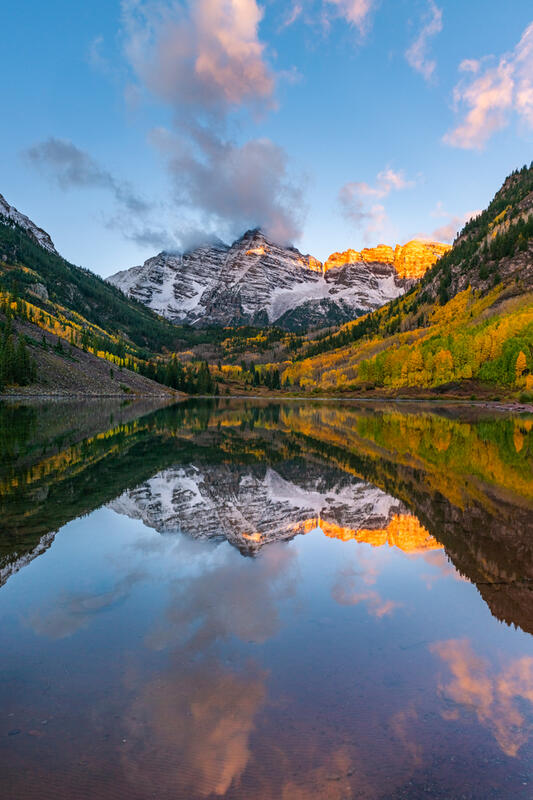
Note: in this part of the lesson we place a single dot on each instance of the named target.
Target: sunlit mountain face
(244, 599)
(256, 281)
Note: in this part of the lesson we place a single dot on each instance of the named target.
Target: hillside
(49, 281)
(65, 330)
(65, 371)
(466, 327)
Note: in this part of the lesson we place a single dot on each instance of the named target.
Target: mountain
(10, 215)
(257, 282)
(71, 324)
(410, 261)
(29, 259)
(458, 477)
(465, 327)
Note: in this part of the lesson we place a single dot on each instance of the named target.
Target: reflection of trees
(17, 427)
(463, 477)
(466, 476)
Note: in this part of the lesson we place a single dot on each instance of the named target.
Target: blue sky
(136, 125)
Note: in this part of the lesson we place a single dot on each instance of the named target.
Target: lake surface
(267, 600)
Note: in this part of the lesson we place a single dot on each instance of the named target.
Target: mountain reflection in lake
(247, 599)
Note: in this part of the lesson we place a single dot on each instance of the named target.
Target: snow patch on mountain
(40, 236)
(255, 281)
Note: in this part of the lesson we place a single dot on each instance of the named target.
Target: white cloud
(388, 180)
(359, 200)
(417, 53)
(492, 92)
(320, 13)
(293, 13)
(205, 55)
(204, 59)
(95, 56)
(369, 217)
(469, 65)
(449, 230)
(524, 76)
(450, 226)
(356, 12)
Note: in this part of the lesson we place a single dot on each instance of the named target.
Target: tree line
(17, 366)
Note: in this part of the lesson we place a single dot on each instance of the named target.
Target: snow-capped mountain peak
(259, 282)
(40, 236)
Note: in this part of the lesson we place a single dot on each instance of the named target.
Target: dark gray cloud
(155, 239)
(144, 231)
(234, 186)
(70, 167)
(68, 612)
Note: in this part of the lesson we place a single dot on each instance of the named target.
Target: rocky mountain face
(255, 281)
(251, 507)
(10, 214)
(410, 261)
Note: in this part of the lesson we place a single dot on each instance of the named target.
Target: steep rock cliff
(410, 260)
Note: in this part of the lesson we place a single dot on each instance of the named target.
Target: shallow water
(246, 599)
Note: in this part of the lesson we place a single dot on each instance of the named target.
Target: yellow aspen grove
(443, 366)
(521, 365)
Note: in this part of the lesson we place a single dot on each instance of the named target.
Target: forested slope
(468, 322)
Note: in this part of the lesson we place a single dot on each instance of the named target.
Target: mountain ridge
(465, 326)
(410, 260)
(257, 282)
(467, 323)
(39, 236)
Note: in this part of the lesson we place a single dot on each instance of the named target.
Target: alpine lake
(265, 600)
